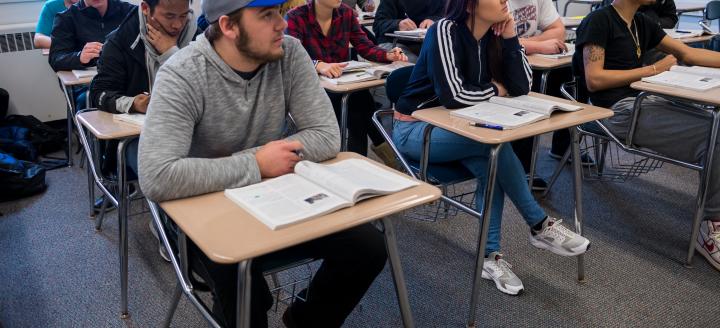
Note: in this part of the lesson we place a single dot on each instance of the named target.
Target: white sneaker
(708, 242)
(498, 270)
(558, 239)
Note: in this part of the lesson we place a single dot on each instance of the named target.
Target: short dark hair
(213, 32)
(153, 3)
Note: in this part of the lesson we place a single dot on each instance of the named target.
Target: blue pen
(487, 126)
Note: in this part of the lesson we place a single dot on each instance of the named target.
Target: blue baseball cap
(213, 9)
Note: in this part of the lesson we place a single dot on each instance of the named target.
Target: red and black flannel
(333, 48)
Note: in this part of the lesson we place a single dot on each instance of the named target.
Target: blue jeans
(449, 147)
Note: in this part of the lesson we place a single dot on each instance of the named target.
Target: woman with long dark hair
(469, 56)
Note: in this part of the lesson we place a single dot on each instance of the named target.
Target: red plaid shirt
(334, 47)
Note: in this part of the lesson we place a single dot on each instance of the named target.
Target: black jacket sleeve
(387, 19)
(110, 82)
(516, 68)
(63, 54)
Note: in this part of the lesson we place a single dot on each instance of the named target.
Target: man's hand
(161, 41)
(664, 64)
(278, 157)
(90, 51)
(426, 23)
(502, 92)
(407, 24)
(396, 54)
(369, 6)
(331, 70)
(140, 103)
(551, 47)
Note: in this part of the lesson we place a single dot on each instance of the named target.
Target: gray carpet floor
(56, 271)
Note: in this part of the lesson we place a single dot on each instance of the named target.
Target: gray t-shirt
(532, 16)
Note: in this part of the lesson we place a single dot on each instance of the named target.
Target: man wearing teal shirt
(45, 22)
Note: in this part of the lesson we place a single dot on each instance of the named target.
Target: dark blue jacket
(391, 12)
(453, 70)
(78, 25)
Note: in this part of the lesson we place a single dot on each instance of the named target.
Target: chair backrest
(712, 10)
(396, 82)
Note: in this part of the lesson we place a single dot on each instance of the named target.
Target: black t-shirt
(605, 28)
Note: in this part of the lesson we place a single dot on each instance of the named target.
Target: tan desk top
(544, 63)
(406, 37)
(571, 22)
(352, 87)
(711, 97)
(68, 78)
(689, 7)
(697, 39)
(228, 234)
(440, 117)
(102, 125)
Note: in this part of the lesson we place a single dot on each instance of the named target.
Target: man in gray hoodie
(216, 120)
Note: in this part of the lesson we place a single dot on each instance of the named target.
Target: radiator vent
(13, 42)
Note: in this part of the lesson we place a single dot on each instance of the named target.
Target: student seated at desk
(78, 35)
(405, 15)
(50, 8)
(610, 45)
(215, 121)
(326, 29)
(468, 57)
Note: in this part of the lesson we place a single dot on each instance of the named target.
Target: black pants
(351, 261)
(361, 106)
(561, 138)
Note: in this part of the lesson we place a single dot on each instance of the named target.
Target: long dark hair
(462, 10)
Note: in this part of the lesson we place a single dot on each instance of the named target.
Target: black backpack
(20, 178)
(45, 138)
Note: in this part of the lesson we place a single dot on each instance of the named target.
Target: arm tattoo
(593, 53)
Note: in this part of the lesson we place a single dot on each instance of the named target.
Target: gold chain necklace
(635, 37)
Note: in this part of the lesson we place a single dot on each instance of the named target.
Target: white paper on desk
(569, 53)
(418, 32)
(684, 80)
(683, 33)
(89, 72)
(697, 70)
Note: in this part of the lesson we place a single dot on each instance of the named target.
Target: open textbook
(316, 189)
(354, 66)
(83, 73)
(569, 53)
(696, 80)
(697, 70)
(418, 32)
(366, 74)
(134, 119)
(510, 113)
(683, 33)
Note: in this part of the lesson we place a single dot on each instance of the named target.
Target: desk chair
(712, 12)
(175, 241)
(447, 176)
(642, 160)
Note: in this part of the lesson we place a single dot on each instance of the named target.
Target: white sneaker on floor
(708, 242)
(558, 239)
(161, 249)
(498, 270)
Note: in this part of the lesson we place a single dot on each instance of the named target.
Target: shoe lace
(715, 236)
(502, 266)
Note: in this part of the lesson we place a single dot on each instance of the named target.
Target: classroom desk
(67, 81)
(547, 65)
(401, 37)
(682, 8)
(228, 234)
(366, 21)
(697, 39)
(346, 90)
(572, 21)
(710, 100)
(102, 125)
(440, 117)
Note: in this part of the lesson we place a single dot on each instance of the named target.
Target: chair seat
(444, 173)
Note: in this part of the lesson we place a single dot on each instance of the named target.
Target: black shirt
(605, 28)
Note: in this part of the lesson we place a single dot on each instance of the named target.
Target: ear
(145, 8)
(228, 28)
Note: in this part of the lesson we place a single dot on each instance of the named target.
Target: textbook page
(569, 53)
(385, 70)
(684, 80)
(416, 32)
(354, 179)
(539, 105)
(697, 70)
(349, 78)
(354, 65)
(134, 119)
(496, 114)
(285, 200)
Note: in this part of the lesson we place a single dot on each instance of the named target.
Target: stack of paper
(696, 82)
(89, 72)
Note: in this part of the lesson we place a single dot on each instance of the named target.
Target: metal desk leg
(533, 161)
(244, 283)
(702, 188)
(344, 122)
(425, 155)
(398, 277)
(577, 180)
(70, 116)
(484, 225)
(543, 81)
(122, 223)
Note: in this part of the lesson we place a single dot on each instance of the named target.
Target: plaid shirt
(334, 47)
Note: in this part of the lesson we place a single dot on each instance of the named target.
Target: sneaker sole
(560, 251)
(515, 291)
(707, 255)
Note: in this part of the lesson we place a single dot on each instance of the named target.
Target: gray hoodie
(205, 122)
